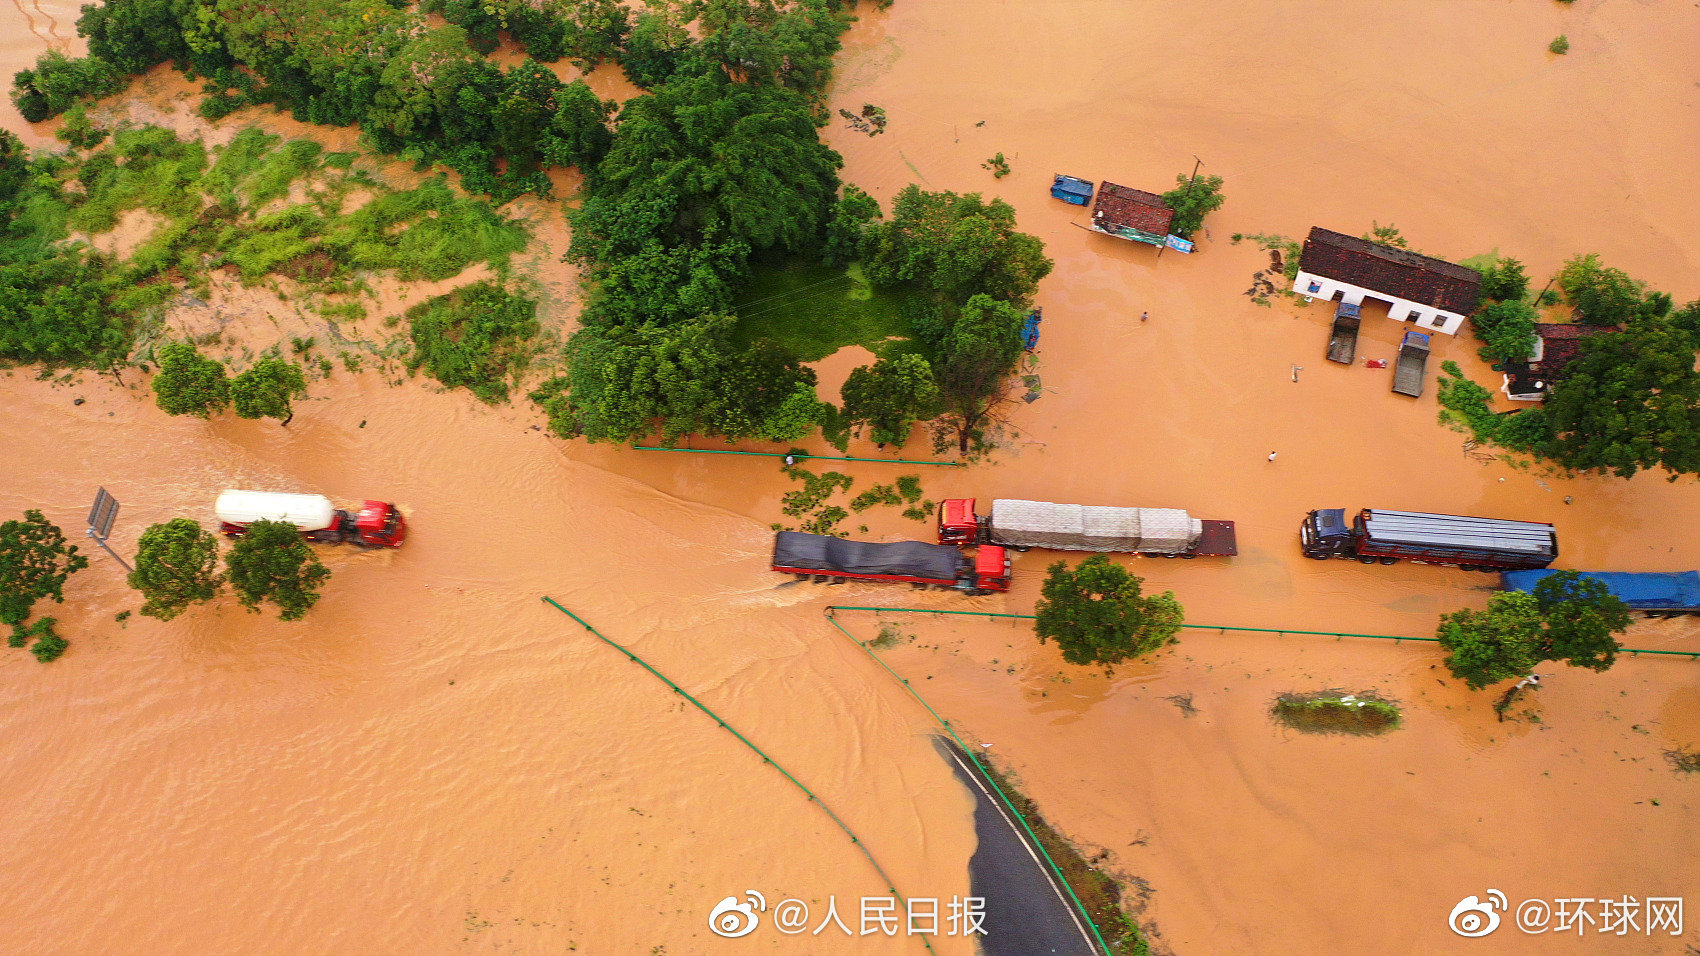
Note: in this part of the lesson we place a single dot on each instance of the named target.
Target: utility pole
(1187, 195)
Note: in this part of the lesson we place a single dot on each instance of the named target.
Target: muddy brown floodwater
(435, 761)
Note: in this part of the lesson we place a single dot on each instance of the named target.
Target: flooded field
(436, 761)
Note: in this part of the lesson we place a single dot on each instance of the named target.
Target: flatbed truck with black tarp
(1388, 537)
(835, 560)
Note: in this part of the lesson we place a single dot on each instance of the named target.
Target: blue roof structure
(1071, 189)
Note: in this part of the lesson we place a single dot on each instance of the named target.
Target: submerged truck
(835, 560)
(1022, 525)
(1474, 544)
(1658, 593)
(1412, 367)
(376, 525)
(1343, 338)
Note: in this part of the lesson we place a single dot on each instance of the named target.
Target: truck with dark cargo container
(917, 563)
(1657, 593)
(1023, 525)
(1388, 537)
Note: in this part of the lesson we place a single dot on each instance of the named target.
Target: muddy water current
(437, 761)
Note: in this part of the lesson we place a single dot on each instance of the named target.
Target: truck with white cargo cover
(1021, 524)
(376, 525)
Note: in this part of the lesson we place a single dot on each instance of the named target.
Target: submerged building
(1433, 293)
(1556, 346)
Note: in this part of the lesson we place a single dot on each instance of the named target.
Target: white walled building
(1433, 293)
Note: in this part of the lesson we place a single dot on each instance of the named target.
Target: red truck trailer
(1018, 524)
(920, 564)
(376, 525)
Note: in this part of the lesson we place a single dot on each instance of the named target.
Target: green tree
(1600, 294)
(1506, 330)
(176, 566)
(57, 82)
(1098, 614)
(975, 359)
(578, 133)
(266, 389)
(1192, 200)
(850, 218)
(1488, 646)
(34, 563)
(189, 383)
(1581, 615)
(1567, 618)
(1503, 279)
(1630, 401)
(890, 395)
(956, 245)
(270, 562)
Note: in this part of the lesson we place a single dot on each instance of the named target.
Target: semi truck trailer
(1388, 537)
(1658, 593)
(1022, 525)
(376, 525)
(836, 560)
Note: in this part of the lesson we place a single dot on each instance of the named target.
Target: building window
(1315, 287)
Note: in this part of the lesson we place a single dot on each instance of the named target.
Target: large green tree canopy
(707, 160)
(1098, 613)
(1630, 401)
(956, 245)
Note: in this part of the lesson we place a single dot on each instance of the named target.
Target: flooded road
(436, 761)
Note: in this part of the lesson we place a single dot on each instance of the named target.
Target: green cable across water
(1081, 907)
(746, 742)
(774, 454)
(1631, 651)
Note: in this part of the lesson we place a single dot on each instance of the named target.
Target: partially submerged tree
(189, 383)
(957, 246)
(1600, 294)
(266, 389)
(975, 360)
(1566, 618)
(1098, 614)
(1192, 200)
(890, 395)
(35, 560)
(270, 562)
(1506, 330)
(176, 566)
(1630, 401)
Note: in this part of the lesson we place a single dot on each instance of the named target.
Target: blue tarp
(1652, 589)
(1072, 190)
(1030, 330)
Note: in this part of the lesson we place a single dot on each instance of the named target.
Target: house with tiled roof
(1556, 346)
(1433, 293)
(1128, 213)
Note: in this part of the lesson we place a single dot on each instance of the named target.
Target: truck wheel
(1365, 559)
(1188, 557)
(1023, 548)
(1389, 560)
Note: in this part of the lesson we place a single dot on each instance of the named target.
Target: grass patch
(889, 636)
(1684, 759)
(814, 310)
(473, 338)
(1334, 712)
(1098, 892)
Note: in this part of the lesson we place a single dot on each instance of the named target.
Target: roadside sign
(1177, 243)
(103, 513)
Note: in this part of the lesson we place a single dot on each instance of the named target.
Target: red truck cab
(991, 567)
(957, 522)
(380, 525)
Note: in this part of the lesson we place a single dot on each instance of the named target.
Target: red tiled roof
(1560, 344)
(1396, 272)
(1128, 207)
